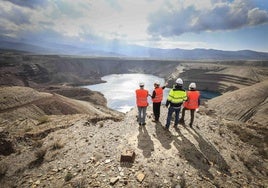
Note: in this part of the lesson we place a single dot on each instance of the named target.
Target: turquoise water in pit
(119, 89)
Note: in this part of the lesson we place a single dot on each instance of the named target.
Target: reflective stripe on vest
(141, 97)
(192, 101)
(158, 95)
(177, 96)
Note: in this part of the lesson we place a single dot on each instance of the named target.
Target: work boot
(181, 121)
(191, 125)
(166, 128)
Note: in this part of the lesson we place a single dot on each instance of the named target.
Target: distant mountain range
(133, 51)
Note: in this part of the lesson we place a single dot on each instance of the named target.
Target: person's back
(192, 99)
(192, 103)
(157, 97)
(142, 103)
(141, 97)
(176, 96)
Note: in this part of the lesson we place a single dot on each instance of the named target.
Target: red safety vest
(141, 97)
(192, 100)
(158, 95)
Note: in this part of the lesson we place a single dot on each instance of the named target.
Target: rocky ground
(84, 150)
(55, 135)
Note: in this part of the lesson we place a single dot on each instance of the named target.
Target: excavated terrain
(56, 135)
(82, 150)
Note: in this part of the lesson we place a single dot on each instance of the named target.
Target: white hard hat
(157, 82)
(192, 85)
(141, 84)
(179, 81)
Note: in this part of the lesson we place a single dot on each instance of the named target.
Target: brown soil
(83, 150)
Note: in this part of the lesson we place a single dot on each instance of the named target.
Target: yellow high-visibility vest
(177, 96)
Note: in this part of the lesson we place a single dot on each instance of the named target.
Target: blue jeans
(142, 114)
(170, 112)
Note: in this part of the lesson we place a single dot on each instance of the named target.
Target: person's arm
(153, 95)
(170, 96)
(167, 103)
(185, 97)
(166, 84)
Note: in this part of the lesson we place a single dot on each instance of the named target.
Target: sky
(167, 24)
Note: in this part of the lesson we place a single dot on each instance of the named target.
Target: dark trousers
(172, 109)
(192, 115)
(156, 110)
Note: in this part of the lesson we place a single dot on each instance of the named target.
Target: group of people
(177, 98)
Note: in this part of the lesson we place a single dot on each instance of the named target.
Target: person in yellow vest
(157, 97)
(141, 100)
(192, 103)
(176, 97)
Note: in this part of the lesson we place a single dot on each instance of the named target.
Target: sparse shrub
(3, 169)
(40, 154)
(28, 129)
(101, 124)
(42, 119)
(6, 144)
(221, 132)
(68, 176)
(233, 156)
(57, 145)
(38, 144)
(182, 182)
(79, 183)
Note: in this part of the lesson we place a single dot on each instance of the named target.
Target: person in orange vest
(157, 97)
(192, 103)
(141, 100)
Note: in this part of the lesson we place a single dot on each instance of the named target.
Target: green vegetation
(43, 119)
(68, 176)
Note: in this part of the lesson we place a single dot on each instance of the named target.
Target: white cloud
(149, 22)
(220, 15)
(256, 16)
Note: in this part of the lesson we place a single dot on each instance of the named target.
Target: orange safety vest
(141, 97)
(192, 100)
(158, 95)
